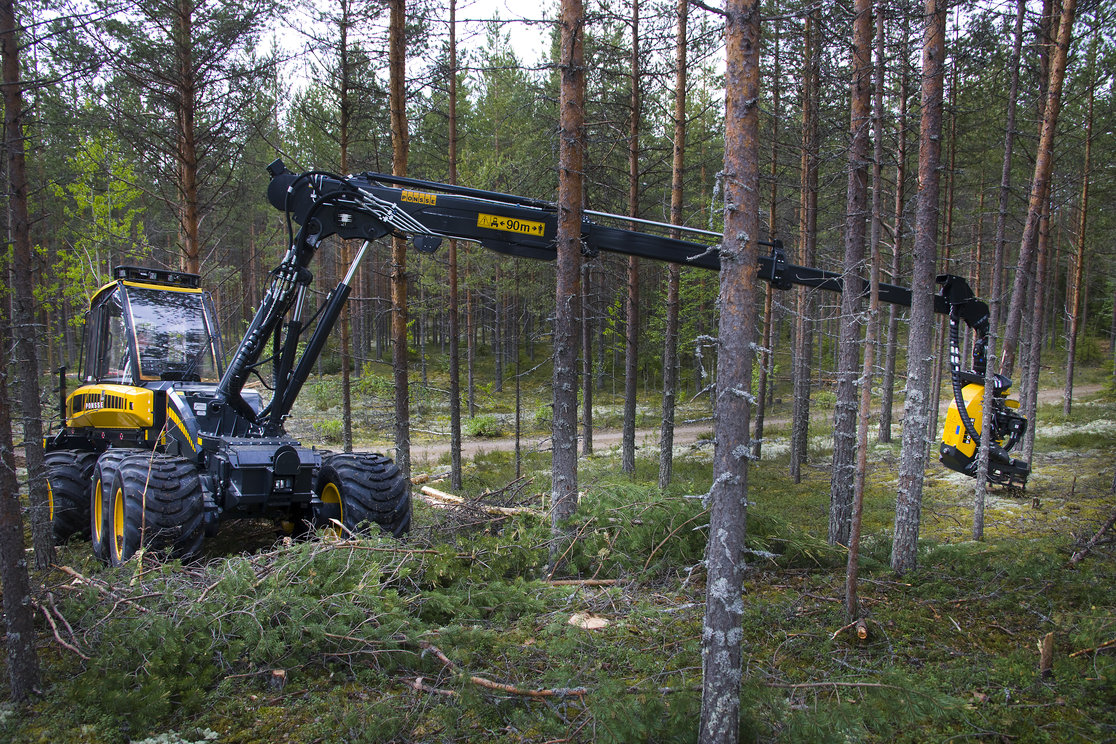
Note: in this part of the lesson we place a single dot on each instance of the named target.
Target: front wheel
(100, 495)
(67, 475)
(365, 489)
(156, 502)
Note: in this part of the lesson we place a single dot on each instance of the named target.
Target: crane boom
(368, 206)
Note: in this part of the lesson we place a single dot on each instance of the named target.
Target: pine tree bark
(631, 335)
(807, 253)
(674, 272)
(995, 291)
(24, 353)
(344, 119)
(941, 342)
(1075, 305)
(571, 154)
(396, 65)
(454, 309)
(848, 356)
(1040, 186)
(722, 669)
(586, 361)
(914, 452)
(852, 567)
(1033, 361)
(887, 399)
(23, 660)
(768, 358)
(185, 113)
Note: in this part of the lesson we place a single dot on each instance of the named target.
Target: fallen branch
(1080, 555)
(448, 498)
(421, 686)
(582, 582)
(1103, 646)
(497, 686)
(111, 595)
(58, 637)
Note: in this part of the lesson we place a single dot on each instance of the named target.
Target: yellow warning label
(511, 224)
(419, 198)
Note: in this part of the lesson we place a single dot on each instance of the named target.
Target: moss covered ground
(459, 634)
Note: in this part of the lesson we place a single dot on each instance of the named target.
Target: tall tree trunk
(24, 354)
(187, 138)
(1076, 307)
(995, 291)
(397, 69)
(807, 253)
(888, 384)
(571, 159)
(454, 310)
(345, 116)
(1040, 186)
(1033, 361)
(768, 358)
(913, 456)
(848, 357)
(631, 335)
(674, 272)
(19, 612)
(586, 362)
(941, 342)
(852, 568)
(721, 653)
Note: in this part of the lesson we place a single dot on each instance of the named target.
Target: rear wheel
(99, 496)
(155, 502)
(366, 489)
(68, 473)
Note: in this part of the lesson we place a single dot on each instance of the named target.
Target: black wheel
(99, 496)
(68, 473)
(156, 501)
(366, 489)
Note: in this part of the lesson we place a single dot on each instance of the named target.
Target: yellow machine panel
(954, 434)
(110, 407)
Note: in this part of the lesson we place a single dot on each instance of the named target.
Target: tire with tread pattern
(369, 489)
(156, 501)
(104, 472)
(68, 473)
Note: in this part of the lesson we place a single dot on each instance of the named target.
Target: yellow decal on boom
(511, 224)
(419, 198)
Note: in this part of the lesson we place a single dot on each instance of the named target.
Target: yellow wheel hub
(118, 523)
(331, 495)
(98, 512)
(50, 501)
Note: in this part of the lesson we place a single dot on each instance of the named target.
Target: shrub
(331, 431)
(485, 425)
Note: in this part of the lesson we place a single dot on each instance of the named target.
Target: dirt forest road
(686, 433)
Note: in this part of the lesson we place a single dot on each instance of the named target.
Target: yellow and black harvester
(153, 453)
(161, 440)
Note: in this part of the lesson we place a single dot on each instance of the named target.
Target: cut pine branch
(441, 498)
(490, 684)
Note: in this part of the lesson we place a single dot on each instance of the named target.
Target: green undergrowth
(460, 634)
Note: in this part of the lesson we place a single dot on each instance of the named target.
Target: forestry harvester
(161, 441)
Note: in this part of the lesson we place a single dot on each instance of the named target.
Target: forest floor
(430, 452)
(461, 633)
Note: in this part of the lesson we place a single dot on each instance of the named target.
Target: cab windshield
(172, 335)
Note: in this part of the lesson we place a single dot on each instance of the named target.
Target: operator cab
(151, 325)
